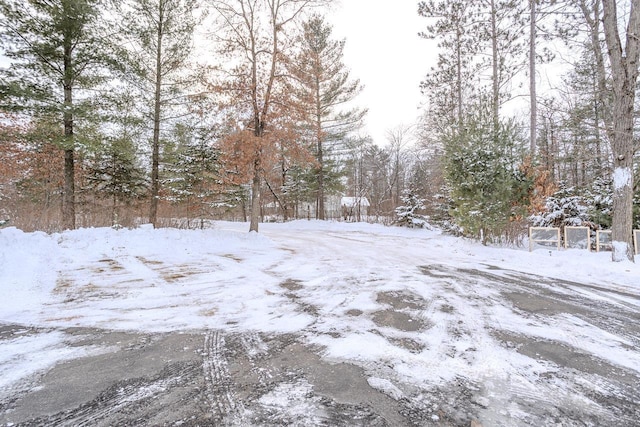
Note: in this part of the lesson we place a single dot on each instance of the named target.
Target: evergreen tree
(194, 177)
(487, 189)
(323, 89)
(478, 42)
(453, 81)
(158, 35)
(564, 208)
(407, 215)
(590, 156)
(299, 187)
(114, 173)
(600, 203)
(56, 51)
(500, 29)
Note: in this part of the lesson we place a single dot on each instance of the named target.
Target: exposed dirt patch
(403, 312)
(148, 261)
(62, 285)
(354, 312)
(233, 257)
(112, 264)
(174, 277)
(402, 300)
(407, 343)
(208, 312)
(398, 320)
(447, 308)
(291, 284)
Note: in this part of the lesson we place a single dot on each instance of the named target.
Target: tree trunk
(591, 14)
(533, 122)
(495, 101)
(320, 213)
(155, 154)
(255, 196)
(624, 70)
(459, 76)
(68, 198)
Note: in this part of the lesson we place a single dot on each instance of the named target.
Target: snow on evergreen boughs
(593, 208)
(407, 215)
(600, 201)
(562, 209)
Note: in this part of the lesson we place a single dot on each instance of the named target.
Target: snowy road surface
(312, 323)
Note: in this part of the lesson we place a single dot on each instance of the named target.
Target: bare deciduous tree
(254, 39)
(624, 71)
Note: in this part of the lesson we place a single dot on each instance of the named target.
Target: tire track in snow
(541, 303)
(511, 389)
(115, 405)
(218, 381)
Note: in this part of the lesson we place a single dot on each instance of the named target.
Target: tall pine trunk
(68, 198)
(155, 155)
(533, 118)
(319, 137)
(495, 84)
(459, 76)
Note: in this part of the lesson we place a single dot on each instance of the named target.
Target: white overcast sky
(384, 51)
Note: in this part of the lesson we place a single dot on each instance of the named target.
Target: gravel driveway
(312, 324)
(229, 378)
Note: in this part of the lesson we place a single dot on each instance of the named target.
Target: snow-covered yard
(450, 330)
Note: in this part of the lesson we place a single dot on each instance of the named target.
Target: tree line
(191, 109)
(576, 63)
(197, 108)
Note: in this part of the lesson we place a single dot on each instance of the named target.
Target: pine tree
(323, 90)
(487, 188)
(600, 202)
(453, 80)
(564, 208)
(113, 173)
(56, 51)
(194, 178)
(114, 170)
(407, 215)
(158, 34)
(506, 50)
(584, 121)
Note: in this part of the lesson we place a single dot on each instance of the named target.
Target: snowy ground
(316, 323)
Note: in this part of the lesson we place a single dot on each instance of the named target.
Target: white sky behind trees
(384, 51)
